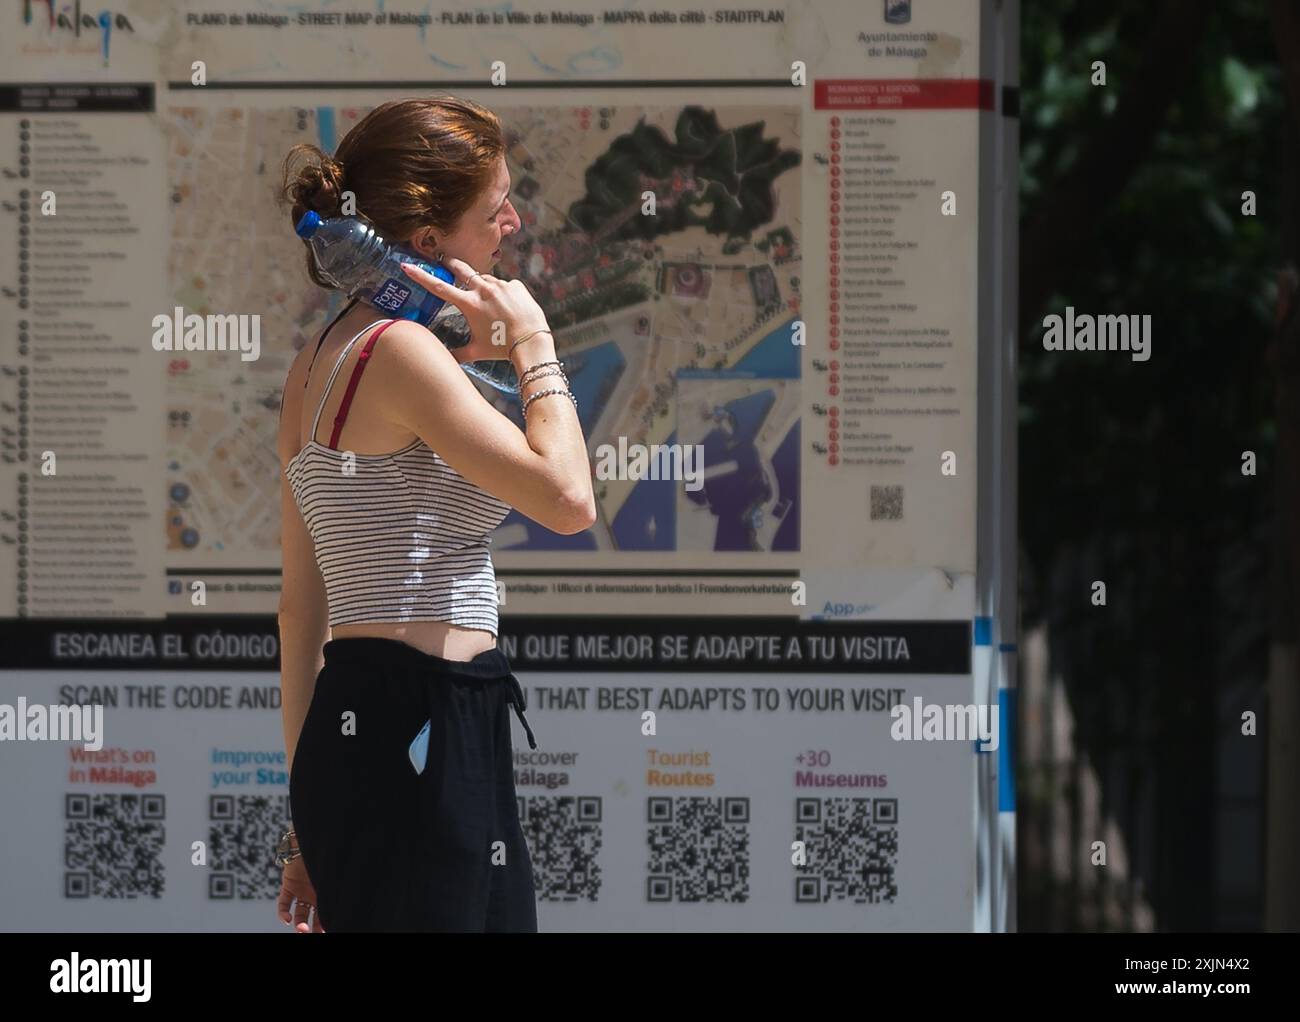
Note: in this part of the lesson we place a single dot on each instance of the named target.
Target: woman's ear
(426, 244)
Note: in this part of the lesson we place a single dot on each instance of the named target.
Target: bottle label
(391, 295)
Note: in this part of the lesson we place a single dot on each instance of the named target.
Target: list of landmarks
(81, 386)
(892, 386)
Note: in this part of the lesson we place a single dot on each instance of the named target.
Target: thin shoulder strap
(362, 359)
(329, 384)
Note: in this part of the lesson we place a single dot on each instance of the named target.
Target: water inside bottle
(452, 329)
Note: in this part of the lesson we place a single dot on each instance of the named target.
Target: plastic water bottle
(354, 258)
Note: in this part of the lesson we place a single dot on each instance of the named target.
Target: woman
(391, 487)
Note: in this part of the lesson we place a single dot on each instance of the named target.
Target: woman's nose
(516, 222)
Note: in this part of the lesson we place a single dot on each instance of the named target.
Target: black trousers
(390, 849)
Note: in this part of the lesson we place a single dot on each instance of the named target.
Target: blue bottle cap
(308, 224)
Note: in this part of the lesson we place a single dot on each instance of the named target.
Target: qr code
(564, 838)
(699, 849)
(886, 503)
(242, 834)
(112, 845)
(850, 848)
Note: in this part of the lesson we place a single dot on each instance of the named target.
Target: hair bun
(329, 191)
(319, 185)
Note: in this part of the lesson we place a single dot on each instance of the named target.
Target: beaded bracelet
(546, 372)
(542, 393)
(524, 378)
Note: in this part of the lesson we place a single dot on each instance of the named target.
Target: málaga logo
(69, 17)
(898, 12)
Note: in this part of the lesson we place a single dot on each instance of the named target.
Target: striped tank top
(399, 536)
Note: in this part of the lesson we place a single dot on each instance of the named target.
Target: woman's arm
(304, 607)
(543, 472)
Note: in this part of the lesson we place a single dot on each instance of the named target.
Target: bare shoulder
(412, 357)
(424, 386)
(410, 340)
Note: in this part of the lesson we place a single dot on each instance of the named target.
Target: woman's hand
(498, 312)
(296, 905)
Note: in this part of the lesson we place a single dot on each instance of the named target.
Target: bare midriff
(437, 638)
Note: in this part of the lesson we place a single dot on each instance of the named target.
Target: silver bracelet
(546, 372)
(542, 393)
(524, 378)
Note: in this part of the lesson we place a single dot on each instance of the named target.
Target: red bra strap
(352, 383)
